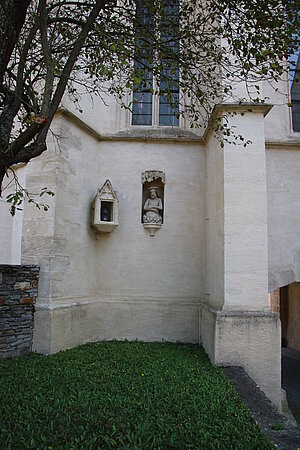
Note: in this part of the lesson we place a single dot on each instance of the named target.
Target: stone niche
(153, 183)
(105, 209)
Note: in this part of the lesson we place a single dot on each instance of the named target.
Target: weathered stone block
(28, 330)
(12, 298)
(26, 317)
(27, 301)
(9, 332)
(17, 311)
(10, 339)
(22, 285)
(25, 344)
(18, 291)
(31, 292)
(234, 338)
(10, 280)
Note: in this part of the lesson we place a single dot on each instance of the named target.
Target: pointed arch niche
(105, 209)
(153, 183)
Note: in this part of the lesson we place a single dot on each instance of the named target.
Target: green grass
(124, 395)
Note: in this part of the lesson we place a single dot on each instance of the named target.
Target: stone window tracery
(156, 101)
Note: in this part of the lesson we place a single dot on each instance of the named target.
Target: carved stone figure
(152, 207)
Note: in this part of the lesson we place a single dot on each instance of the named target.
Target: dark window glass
(169, 76)
(295, 94)
(169, 109)
(142, 108)
(142, 92)
(296, 115)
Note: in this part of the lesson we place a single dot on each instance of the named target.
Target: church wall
(245, 221)
(11, 226)
(239, 328)
(203, 276)
(283, 182)
(278, 121)
(104, 115)
(6, 222)
(41, 245)
(124, 284)
(214, 222)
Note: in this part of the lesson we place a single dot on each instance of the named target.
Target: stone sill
(135, 134)
(156, 134)
(173, 134)
(290, 141)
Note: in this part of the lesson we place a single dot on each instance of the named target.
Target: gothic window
(156, 99)
(295, 95)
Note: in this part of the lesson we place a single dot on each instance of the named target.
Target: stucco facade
(230, 235)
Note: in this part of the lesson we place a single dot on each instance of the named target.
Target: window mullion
(155, 111)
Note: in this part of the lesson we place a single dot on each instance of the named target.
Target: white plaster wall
(6, 233)
(108, 272)
(236, 216)
(38, 225)
(103, 114)
(252, 341)
(278, 120)
(11, 227)
(214, 223)
(278, 123)
(41, 245)
(245, 206)
(171, 263)
(283, 181)
(248, 339)
(106, 116)
(67, 326)
(127, 284)
(128, 261)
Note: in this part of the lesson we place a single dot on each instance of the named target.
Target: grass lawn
(123, 395)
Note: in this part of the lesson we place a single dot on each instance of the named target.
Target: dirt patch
(279, 430)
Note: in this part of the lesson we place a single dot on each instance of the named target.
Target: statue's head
(153, 191)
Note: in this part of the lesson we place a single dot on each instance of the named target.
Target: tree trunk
(12, 18)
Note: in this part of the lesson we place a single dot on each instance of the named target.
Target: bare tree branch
(59, 92)
(14, 14)
(49, 80)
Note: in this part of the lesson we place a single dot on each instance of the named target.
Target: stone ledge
(287, 143)
(239, 313)
(174, 134)
(69, 302)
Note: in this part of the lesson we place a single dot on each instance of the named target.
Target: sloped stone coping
(278, 429)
